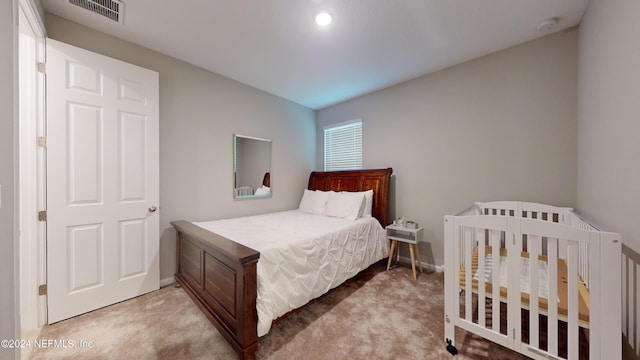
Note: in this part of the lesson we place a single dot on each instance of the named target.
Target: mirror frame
(235, 167)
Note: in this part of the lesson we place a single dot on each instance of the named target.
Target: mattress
(543, 276)
(503, 274)
(302, 256)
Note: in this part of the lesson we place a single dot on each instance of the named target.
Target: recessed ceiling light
(324, 18)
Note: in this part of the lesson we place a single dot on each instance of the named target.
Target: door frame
(32, 177)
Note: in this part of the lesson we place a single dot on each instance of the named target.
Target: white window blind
(343, 146)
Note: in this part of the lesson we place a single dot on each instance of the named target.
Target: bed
(221, 274)
(564, 305)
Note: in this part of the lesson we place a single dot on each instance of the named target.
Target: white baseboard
(431, 267)
(167, 281)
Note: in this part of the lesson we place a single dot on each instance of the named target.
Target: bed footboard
(220, 276)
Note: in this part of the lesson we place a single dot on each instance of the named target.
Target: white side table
(410, 236)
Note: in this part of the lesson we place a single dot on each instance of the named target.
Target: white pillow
(368, 204)
(345, 205)
(263, 190)
(313, 202)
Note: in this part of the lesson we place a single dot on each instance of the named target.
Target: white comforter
(302, 256)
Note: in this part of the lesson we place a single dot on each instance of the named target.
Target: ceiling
(275, 46)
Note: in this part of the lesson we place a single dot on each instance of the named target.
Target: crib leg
(450, 348)
(449, 335)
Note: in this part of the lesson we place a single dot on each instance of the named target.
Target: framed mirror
(251, 167)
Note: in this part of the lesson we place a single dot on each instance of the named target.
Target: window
(343, 146)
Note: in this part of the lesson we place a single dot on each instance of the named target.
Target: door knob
(152, 209)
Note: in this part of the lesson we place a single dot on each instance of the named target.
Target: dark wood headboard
(358, 180)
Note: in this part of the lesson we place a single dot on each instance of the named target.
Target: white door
(102, 181)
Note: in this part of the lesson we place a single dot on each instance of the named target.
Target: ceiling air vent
(111, 9)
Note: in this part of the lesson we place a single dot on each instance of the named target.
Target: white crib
(578, 266)
(244, 191)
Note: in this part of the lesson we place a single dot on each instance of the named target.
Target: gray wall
(501, 127)
(8, 171)
(609, 139)
(199, 113)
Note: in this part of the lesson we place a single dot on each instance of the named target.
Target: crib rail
(471, 210)
(578, 290)
(561, 215)
(574, 219)
(244, 191)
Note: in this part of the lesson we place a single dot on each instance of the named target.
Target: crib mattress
(583, 293)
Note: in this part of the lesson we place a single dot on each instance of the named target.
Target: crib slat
(572, 304)
(481, 280)
(468, 263)
(514, 291)
(552, 323)
(495, 237)
(563, 248)
(584, 263)
(533, 243)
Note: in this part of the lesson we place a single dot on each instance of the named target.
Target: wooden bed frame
(220, 274)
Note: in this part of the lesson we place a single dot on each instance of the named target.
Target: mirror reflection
(251, 167)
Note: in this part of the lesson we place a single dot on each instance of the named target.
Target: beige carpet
(375, 315)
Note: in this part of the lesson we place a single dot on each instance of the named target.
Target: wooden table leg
(413, 263)
(418, 253)
(397, 252)
(393, 246)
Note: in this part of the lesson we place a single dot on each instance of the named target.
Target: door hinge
(42, 68)
(42, 289)
(42, 215)
(42, 141)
